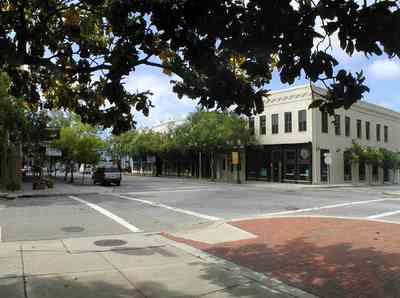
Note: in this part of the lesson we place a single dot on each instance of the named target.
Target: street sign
(235, 158)
(328, 158)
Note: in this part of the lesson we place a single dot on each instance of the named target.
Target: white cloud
(387, 69)
(167, 105)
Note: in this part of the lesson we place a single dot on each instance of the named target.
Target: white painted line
(324, 207)
(110, 215)
(196, 214)
(384, 214)
(170, 191)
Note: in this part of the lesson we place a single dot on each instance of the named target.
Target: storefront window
(304, 164)
(290, 165)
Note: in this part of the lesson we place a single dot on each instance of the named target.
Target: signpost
(236, 161)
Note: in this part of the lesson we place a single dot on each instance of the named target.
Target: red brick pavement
(324, 256)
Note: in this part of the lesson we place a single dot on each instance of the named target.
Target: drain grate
(110, 242)
(73, 229)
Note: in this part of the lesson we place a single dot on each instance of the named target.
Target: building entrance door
(276, 166)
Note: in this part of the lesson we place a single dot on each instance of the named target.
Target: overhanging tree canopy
(80, 51)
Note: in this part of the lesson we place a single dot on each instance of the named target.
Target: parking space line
(384, 214)
(324, 207)
(188, 212)
(110, 215)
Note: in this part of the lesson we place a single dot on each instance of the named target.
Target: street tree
(214, 132)
(78, 143)
(370, 156)
(77, 54)
(12, 123)
(121, 145)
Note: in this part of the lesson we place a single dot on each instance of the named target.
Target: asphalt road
(145, 204)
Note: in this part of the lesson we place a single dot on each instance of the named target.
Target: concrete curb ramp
(216, 233)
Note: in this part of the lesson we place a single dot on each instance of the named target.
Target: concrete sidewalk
(130, 265)
(60, 189)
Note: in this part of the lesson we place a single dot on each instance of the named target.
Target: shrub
(13, 186)
(50, 183)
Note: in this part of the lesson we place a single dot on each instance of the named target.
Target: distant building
(294, 140)
(164, 127)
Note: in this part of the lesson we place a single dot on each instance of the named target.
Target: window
(359, 129)
(337, 125)
(251, 125)
(275, 123)
(385, 133)
(288, 122)
(324, 120)
(367, 130)
(302, 120)
(347, 126)
(378, 132)
(263, 125)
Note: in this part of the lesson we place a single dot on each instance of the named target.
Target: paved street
(94, 241)
(145, 204)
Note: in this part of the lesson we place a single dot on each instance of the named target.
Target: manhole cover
(110, 242)
(73, 229)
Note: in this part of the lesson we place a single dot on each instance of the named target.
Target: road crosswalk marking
(324, 207)
(188, 212)
(384, 214)
(110, 215)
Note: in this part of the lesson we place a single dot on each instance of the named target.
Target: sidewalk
(323, 256)
(126, 266)
(60, 189)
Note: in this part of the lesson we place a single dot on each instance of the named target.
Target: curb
(8, 196)
(394, 194)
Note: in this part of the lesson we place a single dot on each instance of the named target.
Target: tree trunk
(212, 166)
(66, 172)
(200, 166)
(370, 178)
(72, 173)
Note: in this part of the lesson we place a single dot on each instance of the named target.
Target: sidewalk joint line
(123, 275)
(23, 270)
(65, 246)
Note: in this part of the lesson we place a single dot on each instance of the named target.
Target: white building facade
(293, 140)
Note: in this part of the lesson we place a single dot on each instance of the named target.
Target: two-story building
(294, 139)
